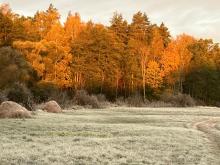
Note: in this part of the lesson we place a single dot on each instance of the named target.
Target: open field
(114, 136)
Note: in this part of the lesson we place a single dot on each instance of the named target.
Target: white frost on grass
(111, 136)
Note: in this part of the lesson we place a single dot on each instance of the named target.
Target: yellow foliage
(176, 58)
(157, 45)
(73, 26)
(154, 75)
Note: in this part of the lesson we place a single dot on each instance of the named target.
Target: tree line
(118, 60)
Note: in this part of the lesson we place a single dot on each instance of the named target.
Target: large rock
(10, 109)
(52, 106)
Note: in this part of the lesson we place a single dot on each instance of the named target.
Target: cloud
(200, 18)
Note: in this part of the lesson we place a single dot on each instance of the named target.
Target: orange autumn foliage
(117, 60)
(154, 75)
(176, 58)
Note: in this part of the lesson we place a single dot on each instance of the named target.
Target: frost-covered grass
(111, 136)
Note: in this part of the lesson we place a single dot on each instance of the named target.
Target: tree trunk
(117, 82)
(143, 79)
(132, 83)
(103, 79)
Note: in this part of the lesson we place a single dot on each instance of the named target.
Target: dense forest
(119, 60)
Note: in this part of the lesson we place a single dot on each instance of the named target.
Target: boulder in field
(52, 107)
(10, 109)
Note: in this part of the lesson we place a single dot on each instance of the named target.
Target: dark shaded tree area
(203, 81)
(119, 60)
(13, 68)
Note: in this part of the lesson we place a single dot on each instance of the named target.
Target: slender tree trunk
(103, 79)
(5, 36)
(124, 86)
(144, 54)
(75, 81)
(132, 83)
(116, 90)
(55, 70)
(144, 84)
(80, 81)
(143, 78)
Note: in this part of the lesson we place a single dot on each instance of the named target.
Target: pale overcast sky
(200, 18)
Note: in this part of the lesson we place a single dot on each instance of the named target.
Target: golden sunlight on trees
(6, 26)
(31, 52)
(154, 75)
(157, 45)
(170, 63)
(176, 61)
(44, 20)
(144, 52)
(182, 43)
(73, 26)
(117, 60)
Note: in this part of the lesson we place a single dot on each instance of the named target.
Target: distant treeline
(119, 60)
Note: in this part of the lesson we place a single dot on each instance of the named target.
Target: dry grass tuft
(9, 109)
(166, 100)
(3, 96)
(179, 100)
(20, 94)
(136, 101)
(84, 99)
(158, 104)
